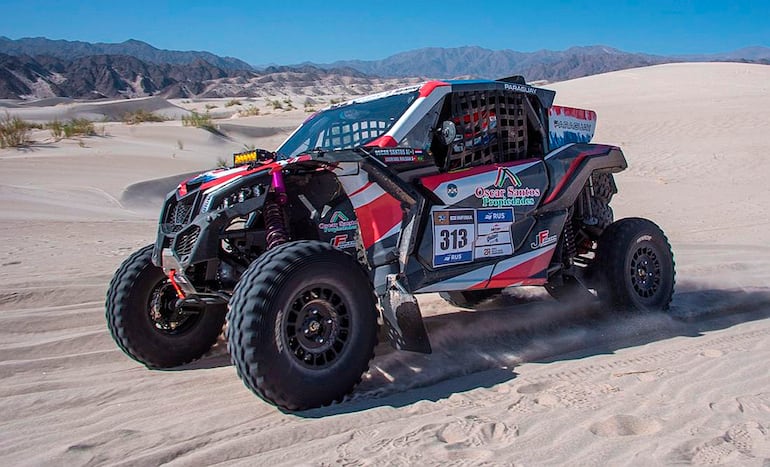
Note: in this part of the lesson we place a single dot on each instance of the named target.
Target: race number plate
(454, 234)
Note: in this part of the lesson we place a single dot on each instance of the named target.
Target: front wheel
(302, 325)
(143, 321)
(635, 266)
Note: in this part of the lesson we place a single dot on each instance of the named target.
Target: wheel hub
(317, 326)
(162, 309)
(645, 272)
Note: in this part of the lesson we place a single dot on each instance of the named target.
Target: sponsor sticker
(342, 242)
(462, 235)
(400, 155)
(453, 236)
(543, 238)
(512, 195)
(339, 222)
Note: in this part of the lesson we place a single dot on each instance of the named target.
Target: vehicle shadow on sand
(480, 349)
(474, 350)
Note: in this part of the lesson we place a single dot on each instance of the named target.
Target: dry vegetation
(138, 116)
(14, 132)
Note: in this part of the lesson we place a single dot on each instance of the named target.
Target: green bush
(197, 120)
(75, 127)
(79, 127)
(141, 115)
(200, 121)
(249, 111)
(289, 104)
(14, 132)
(56, 128)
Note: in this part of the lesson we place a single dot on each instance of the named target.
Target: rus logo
(451, 190)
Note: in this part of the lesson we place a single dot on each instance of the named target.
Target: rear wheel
(302, 325)
(143, 319)
(635, 266)
(469, 299)
(603, 189)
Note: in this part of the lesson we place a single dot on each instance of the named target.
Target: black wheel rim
(162, 311)
(645, 271)
(317, 326)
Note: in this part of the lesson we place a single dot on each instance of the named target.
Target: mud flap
(403, 320)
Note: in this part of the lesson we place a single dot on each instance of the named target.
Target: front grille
(178, 214)
(185, 241)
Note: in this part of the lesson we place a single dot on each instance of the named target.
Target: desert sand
(535, 383)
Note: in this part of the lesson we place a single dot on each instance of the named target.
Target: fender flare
(569, 168)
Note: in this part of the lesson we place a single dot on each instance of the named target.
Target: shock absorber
(275, 227)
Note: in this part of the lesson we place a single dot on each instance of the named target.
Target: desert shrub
(276, 104)
(78, 127)
(198, 120)
(289, 105)
(141, 115)
(336, 101)
(74, 127)
(210, 106)
(14, 132)
(56, 128)
(232, 102)
(249, 111)
(202, 121)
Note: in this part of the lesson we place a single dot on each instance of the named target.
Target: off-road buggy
(458, 187)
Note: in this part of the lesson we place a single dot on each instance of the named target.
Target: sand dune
(525, 381)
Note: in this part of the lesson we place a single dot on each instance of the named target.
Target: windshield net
(348, 125)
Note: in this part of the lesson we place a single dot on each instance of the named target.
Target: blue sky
(293, 31)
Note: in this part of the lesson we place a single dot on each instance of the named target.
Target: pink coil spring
(275, 227)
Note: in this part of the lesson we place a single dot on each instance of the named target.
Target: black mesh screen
(491, 127)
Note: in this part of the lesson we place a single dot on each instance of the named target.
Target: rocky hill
(70, 50)
(546, 65)
(40, 68)
(114, 76)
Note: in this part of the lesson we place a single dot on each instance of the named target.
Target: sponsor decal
(451, 190)
(569, 125)
(543, 238)
(494, 250)
(339, 222)
(453, 237)
(513, 195)
(493, 232)
(341, 242)
(520, 88)
(400, 155)
(503, 174)
(460, 235)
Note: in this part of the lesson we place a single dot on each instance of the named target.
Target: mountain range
(39, 67)
(70, 50)
(548, 65)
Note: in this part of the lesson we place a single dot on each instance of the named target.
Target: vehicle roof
(546, 96)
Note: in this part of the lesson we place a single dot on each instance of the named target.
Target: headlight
(231, 200)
